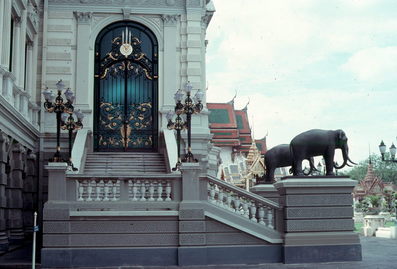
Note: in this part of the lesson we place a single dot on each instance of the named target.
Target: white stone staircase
(127, 163)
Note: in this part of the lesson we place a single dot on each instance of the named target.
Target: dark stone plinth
(106, 257)
(315, 254)
(230, 255)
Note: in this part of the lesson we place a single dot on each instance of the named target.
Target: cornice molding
(122, 3)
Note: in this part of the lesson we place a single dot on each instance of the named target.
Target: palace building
(106, 133)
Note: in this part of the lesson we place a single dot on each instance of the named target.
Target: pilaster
(4, 141)
(1, 32)
(82, 56)
(14, 196)
(21, 48)
(6, 35)
(16, 54)
(170, 59)
(318, 219)
(29, 193)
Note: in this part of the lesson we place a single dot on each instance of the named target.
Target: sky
(308, 64)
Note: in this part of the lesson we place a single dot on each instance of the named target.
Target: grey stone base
(230, 255)
(4, 247)
(105, 257)
(312, 254)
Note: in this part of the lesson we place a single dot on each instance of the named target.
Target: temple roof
(229, 126)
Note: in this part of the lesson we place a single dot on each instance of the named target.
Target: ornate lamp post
(55, 103)
(189, 107)
(178, 125)
(393, 149)
(69, 123)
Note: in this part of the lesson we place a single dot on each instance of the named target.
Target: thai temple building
(241, 156)
(372, 185)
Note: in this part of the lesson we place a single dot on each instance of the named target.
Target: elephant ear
(341, 138)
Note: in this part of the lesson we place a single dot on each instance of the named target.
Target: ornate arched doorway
(126, 83)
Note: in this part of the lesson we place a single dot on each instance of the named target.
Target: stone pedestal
(191, 218)
(267, 191)
(56, 181)
(318, 219)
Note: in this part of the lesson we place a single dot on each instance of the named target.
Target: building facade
(124, 60)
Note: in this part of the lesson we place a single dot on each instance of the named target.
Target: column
(1, 33)
(82, 56)
(15, 201)
(30, 69)
(21, 49)
(3, 183)
(29, 193)
(16, 54)
(6, 35)
(318, 219)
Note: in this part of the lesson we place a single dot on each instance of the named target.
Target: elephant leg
(297, 167)
(329, 162)
(270, 175)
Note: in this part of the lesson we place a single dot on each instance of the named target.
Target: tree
(386, 171)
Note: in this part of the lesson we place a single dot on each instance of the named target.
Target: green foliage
(386, 171)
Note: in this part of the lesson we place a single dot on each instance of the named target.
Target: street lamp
(55, 103)
(393, 149)
(179, 124)
(69, 123)
(188, 108)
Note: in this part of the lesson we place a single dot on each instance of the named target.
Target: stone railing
(136, 189)
(241, 202)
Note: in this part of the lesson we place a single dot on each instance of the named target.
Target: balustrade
(110, 189)
(244, 204)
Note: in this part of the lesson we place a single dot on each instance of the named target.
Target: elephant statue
(318, 142)
(280, 156)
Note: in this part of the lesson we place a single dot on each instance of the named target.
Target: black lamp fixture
(68, 122)
(393, 149)
(188, 108)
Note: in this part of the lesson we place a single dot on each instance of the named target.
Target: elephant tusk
(340, 167)
(349, 165)
(351, 161)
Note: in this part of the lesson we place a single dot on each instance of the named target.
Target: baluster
(261, 215)
(270, 218)
(168, 191)
(106, 190)
(151, 191)
(245, 208)
(143, 191)
(229, 200)
(236, 203)
(221, 197)
(102, 186)
(253, 211)
(80, 190)
(212, 193)
(89, 191)
(160, 191)
(114, 189)
(134, 190)
(97, 190)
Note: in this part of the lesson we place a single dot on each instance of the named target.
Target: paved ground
(378, 253)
